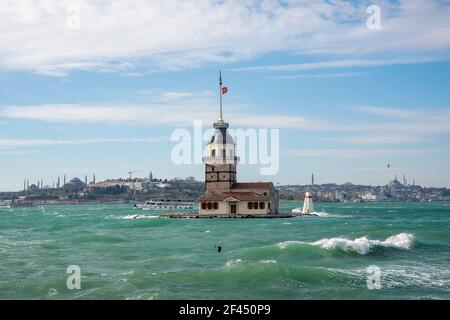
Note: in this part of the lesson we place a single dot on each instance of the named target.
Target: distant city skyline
(56, 184)
(105, 98)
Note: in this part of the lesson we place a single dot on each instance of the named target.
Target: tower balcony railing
(221, 160)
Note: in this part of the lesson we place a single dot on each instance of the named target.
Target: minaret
(221, 160)
(85, 179)
(93, 180)
(42, 184)
(64, 179)
(150, 176)
(28, 184)
(312, 181)
(58, 184)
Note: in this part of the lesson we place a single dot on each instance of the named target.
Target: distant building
(369, 197)
(74, 185)
(33, 188)
(395, 184)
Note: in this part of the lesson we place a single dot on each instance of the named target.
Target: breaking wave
(323, 214)
(285, 244)
(399, 276)
(138, 216)
(330, 215)
(232, 263)
(361, 245)
(268, 261)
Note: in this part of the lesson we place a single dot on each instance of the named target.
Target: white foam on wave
(129, 272)
(138, 216)
(401, 240)
(363, 245)
(52, 292)
(144, 296)
(6, 244)
(331, 215)
(285, 244)
(323, 214)
(268, 261)
(403, 276)
(232, 263)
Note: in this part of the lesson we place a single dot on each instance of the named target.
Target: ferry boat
(166, 204)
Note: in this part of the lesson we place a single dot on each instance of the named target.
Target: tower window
(213, 153)
(255, 205)
(216, 206)
(209, 205)
(250, 205)
(204, 205)
(262, 205)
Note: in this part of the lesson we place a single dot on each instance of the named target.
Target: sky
(100, 87)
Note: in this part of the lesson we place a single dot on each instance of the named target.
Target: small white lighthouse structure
(308, 207)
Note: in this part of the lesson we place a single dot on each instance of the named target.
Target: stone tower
(221, 160)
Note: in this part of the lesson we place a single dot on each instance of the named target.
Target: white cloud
(359, 153)
(335, 64)
(15, 152)
(156, 113)
(126, 36)
(320, 75)
(406, 113)
(381, 139)
(173, 113)
(10, 143)
(393, 126)
(176, 95)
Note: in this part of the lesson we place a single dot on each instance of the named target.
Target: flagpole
(220, 91)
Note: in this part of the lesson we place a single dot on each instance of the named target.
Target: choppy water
(323, 257)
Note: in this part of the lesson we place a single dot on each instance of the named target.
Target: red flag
(224, 90)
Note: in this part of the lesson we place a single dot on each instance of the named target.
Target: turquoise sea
(325, 257)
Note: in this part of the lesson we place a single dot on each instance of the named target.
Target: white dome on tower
(221, 136)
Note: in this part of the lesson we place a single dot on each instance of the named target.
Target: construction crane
(131, 174)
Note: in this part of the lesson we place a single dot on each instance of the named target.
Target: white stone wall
(242, 208)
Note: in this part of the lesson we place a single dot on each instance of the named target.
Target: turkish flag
(224, 90)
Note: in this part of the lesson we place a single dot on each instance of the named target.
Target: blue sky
(104, 98)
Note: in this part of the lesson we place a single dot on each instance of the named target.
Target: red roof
(253, 185)
(242, 196)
